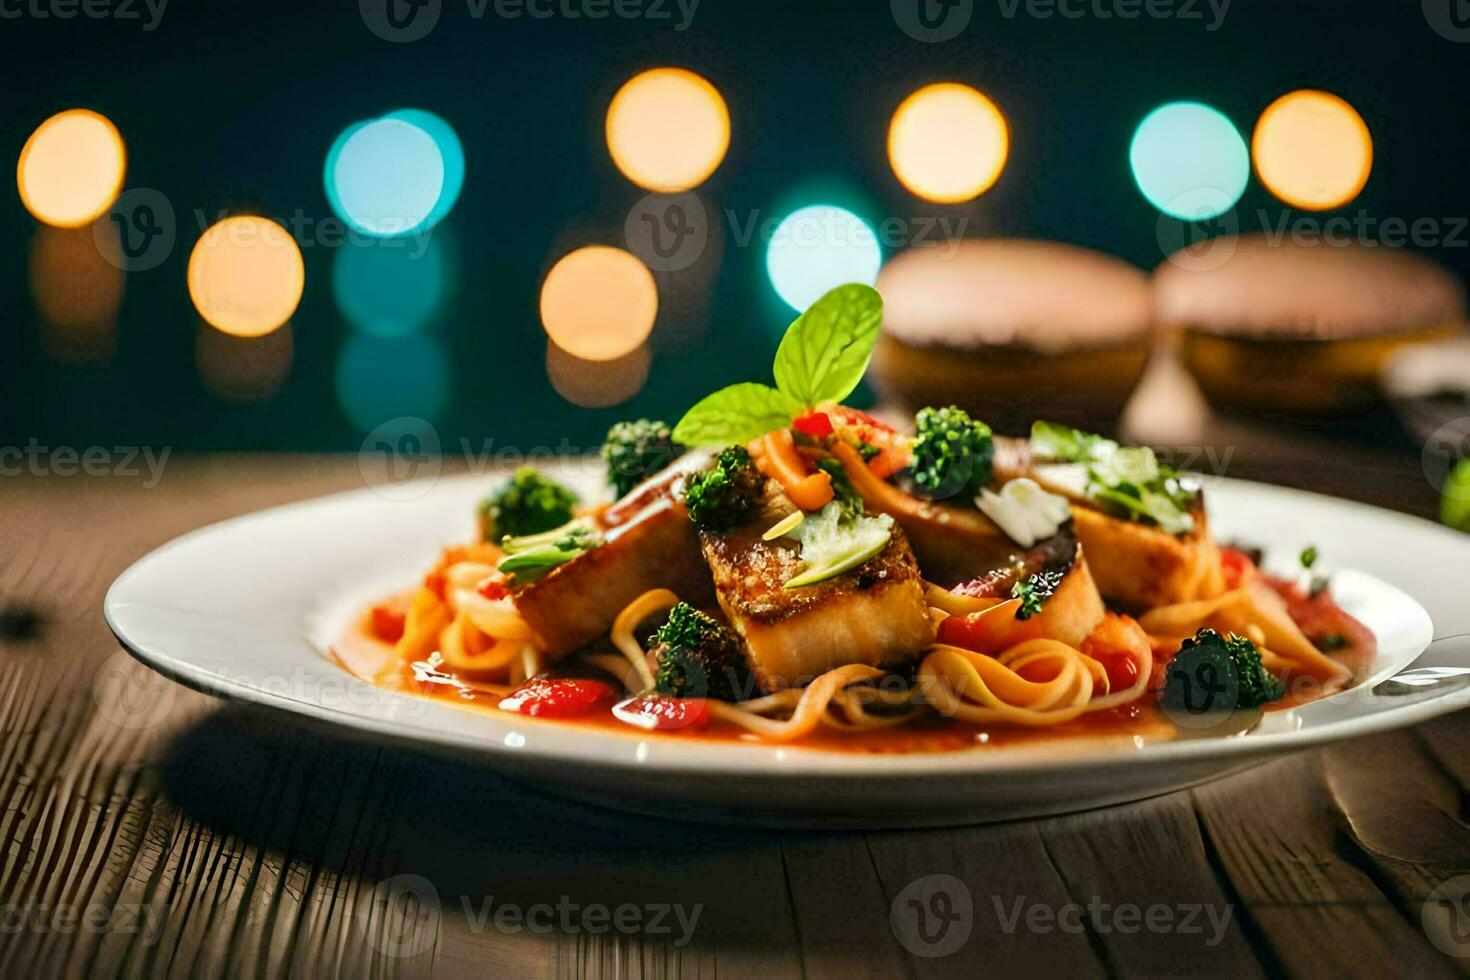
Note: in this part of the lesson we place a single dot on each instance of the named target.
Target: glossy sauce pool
(367, 658)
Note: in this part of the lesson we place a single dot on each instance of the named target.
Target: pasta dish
(780, 567)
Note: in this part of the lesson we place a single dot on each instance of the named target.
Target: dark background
(233, 105)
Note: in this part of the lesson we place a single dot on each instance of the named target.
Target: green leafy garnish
(834, 540)
(533, 555)
(826, 351)
(1053, 442)
(1034, 591)
(736, 414)
(1329, 642)
(1309, 556)
(821, 358)
(1133, 484)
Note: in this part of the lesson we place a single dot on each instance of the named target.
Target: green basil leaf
(1058, 443)
(736, 415)
(825, 352)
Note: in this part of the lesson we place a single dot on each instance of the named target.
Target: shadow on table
(376, 812)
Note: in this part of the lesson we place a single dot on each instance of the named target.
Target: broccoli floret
(697, 657)
(952, 453)
(726, 494)
(634, 451)
(1215, 674)
(527, 503)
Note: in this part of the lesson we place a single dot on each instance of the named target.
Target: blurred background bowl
(1011, 330)
(1288, 328)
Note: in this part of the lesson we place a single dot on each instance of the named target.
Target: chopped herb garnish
(1133, 484)
(533, 555)
(1309, 556)
(1055, 443)
(1034, 591)
(846, 496)
(1331, 641)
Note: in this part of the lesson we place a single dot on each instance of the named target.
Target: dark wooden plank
(990, 880)
(842, 914)
(1153, 904)
(1448, 741)
(1401, 807)
(1272, 832)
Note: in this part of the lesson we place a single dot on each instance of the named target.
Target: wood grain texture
(147, 830)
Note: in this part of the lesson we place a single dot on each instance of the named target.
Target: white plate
(245, 609)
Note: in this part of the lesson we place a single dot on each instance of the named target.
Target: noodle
(634, 613)
(457, 636)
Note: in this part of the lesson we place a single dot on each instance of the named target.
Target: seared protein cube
(1136, 565)
(648, 544)
(873, 614)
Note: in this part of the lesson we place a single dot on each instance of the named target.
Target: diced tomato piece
(548, 697)
(1120, 645)
(1237, 566)
(990, 632)
(653, 713)
(493, 589)
(817, 424)
(388, 621)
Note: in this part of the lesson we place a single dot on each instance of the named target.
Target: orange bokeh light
(246, 276)
(1312, 150)
(599, 303)
(71, 168)
(668, 129)
(948, 143)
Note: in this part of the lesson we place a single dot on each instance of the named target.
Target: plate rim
(758, 760)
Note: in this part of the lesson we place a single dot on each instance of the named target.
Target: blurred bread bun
(1012, 330)
(1287, 327)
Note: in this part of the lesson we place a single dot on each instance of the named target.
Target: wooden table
(150, 830)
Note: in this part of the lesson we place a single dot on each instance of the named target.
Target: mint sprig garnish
(822, 358)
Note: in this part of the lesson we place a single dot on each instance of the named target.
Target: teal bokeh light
(820, 247)
(383, 378)
(450, 150)
(384, 177)
(1190, 161)
(395, 287)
